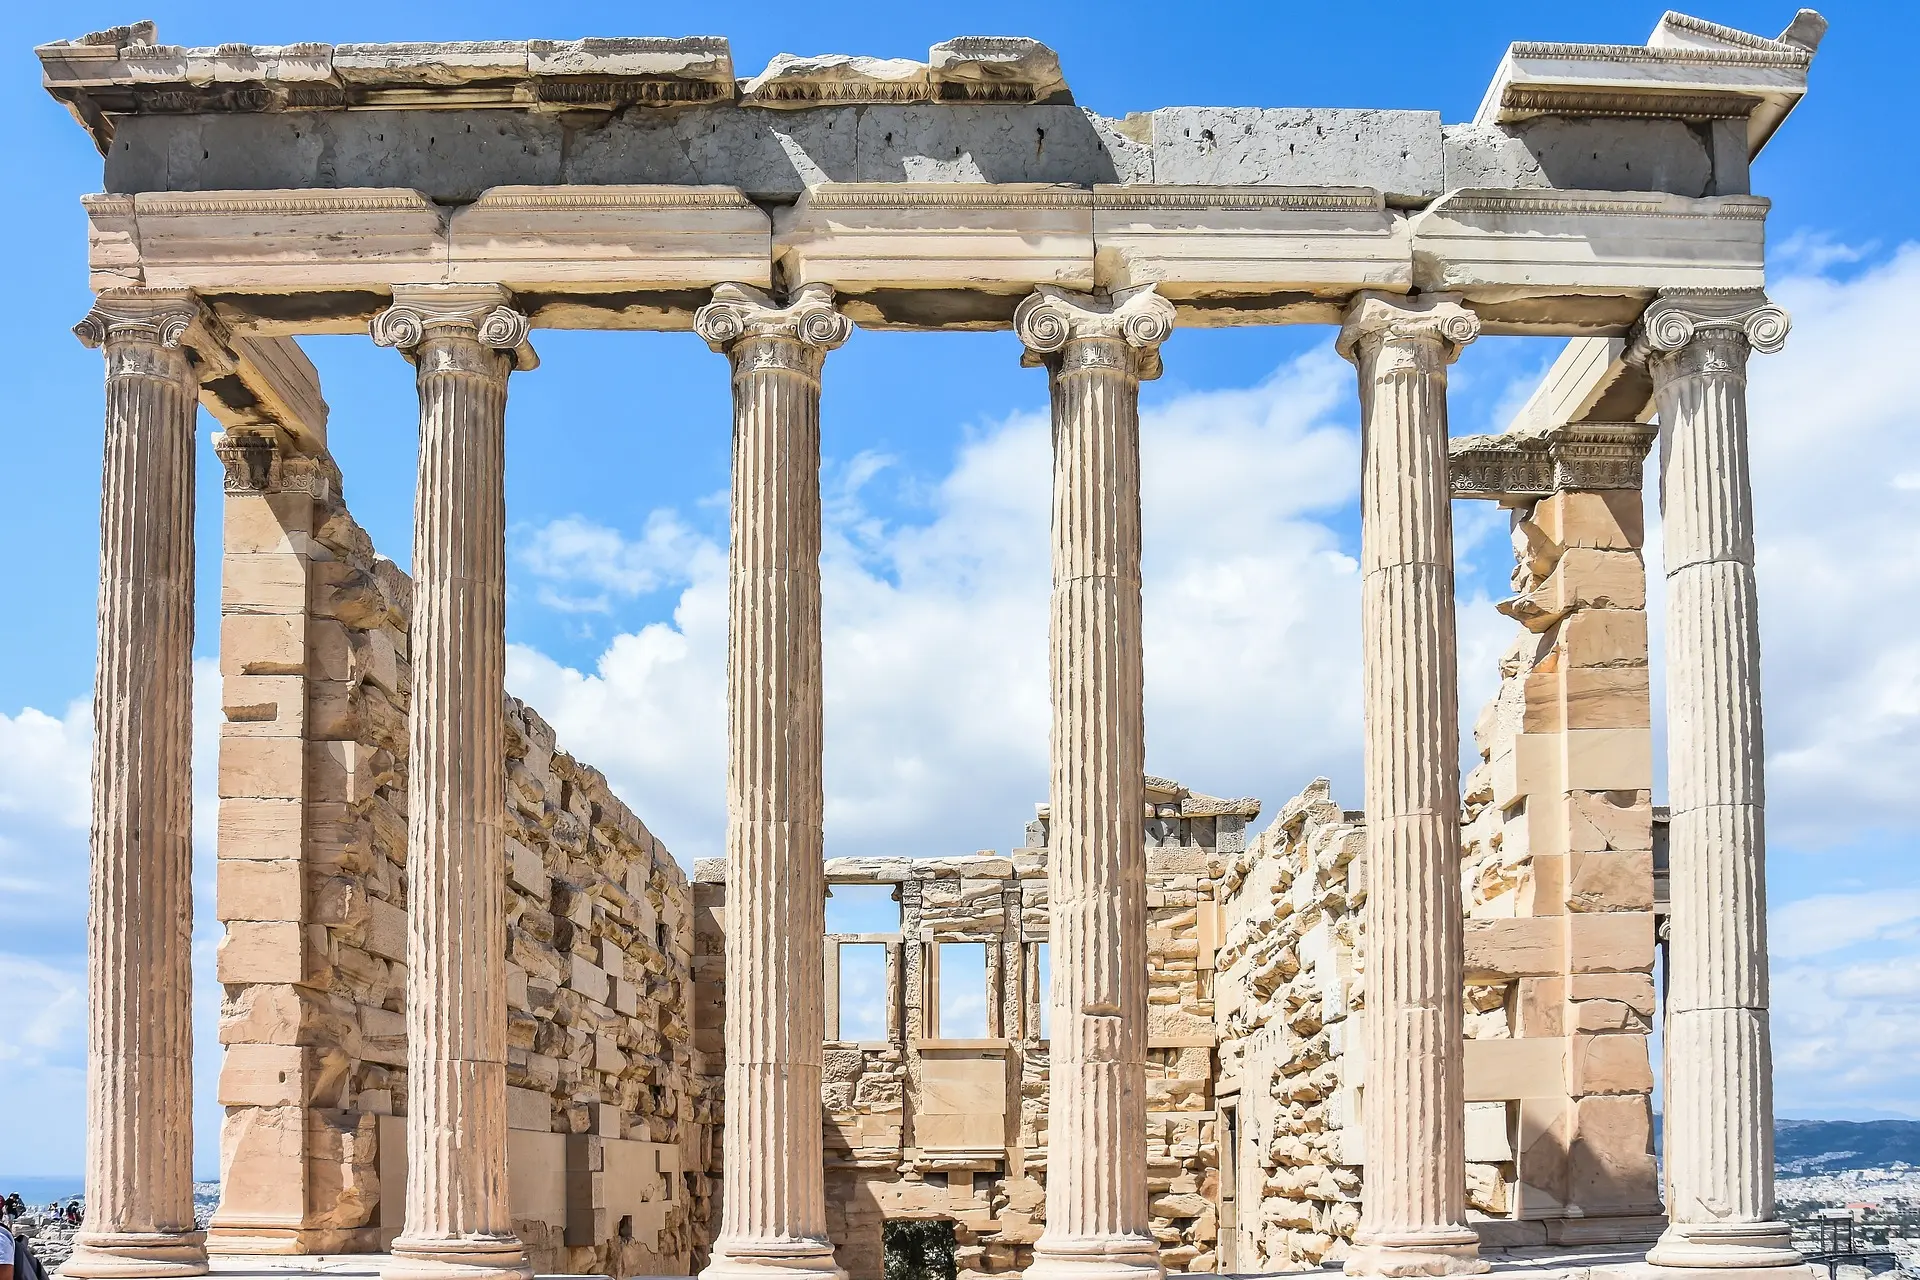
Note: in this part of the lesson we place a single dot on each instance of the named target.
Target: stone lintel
(1530, 260)
(926, 255)
(1583, 456)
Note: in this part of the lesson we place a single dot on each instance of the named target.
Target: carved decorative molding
(1058, 326)
(1678, 317)
(484, 313)
(163, 317)
(259, 464)
(747, 325)
(1580, 456)
(1423, 327)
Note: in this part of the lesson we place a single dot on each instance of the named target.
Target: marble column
(1096, 350)
(463, 341)
(1413, 1217)
(1719, 1062)
(140, 910)
(774, 1211)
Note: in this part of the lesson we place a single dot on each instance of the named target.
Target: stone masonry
(463, 979)
(922, 1125)
(606, 1105)
(1557, 894)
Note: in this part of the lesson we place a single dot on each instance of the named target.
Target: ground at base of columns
(1549, 1262)
(335, 1266)
(136, 1255)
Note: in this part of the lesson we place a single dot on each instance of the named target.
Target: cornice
(1576, 457)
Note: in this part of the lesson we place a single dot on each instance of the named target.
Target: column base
(99, 1255)
(1720, 1247)
(805, 1258)
(1445, 1251)
(1120, 1257)
(458, 1258)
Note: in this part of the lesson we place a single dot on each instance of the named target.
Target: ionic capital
(138, 326)
(1708, 330)
(1064, 329)
(746, 323)
(1421, 328)
(482, 313)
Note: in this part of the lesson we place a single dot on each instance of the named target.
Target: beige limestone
(1413, 1220)
(463, 343)
(139, 1219)
(774, 1209)
(1096, 351)
(1719, 1059)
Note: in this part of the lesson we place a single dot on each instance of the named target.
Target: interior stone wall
(1557, 890)
(921, 1125)
(1287, 1003)
(607, 1103)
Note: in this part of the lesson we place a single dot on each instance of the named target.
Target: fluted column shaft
(773, 1213)
(1413, 1216)
(139, 1219)
(1719, 1096)
(463, 342)
(1096, 352)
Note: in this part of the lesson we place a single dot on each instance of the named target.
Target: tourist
(6, 1252)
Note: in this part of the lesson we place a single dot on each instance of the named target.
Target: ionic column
(140, 910)
(1413, 1214)
(1096, 351)
(1719, 1062)
(774, 1213)
(463, 341)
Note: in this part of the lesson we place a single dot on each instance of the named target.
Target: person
(6, 1253)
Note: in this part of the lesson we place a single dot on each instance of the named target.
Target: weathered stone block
(1610, 520)
(1610, 881)
(251, 889)
(1608, 1064)
(262, 768)
(255, 951)
(1610, 942)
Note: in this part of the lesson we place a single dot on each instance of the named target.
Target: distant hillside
(1826, 1146)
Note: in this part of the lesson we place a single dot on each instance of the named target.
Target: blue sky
(935, 479)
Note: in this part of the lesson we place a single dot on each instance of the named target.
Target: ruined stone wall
(922, 1124)
(1288, 1007)
(607, 1138)
(1557, 892)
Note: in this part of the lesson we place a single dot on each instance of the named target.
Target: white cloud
(935, 633)
(1834, 921)
(1839, 555)
(44, 764)
(1847, 1034)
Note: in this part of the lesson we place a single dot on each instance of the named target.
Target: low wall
(607, 1104)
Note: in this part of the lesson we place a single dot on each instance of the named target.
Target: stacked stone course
(921, 1125)
(606, 1104)
(1289, 1007)
(1557, 894)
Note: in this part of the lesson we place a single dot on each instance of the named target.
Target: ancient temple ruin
(479, 1022)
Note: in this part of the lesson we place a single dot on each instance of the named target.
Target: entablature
(927, 255)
